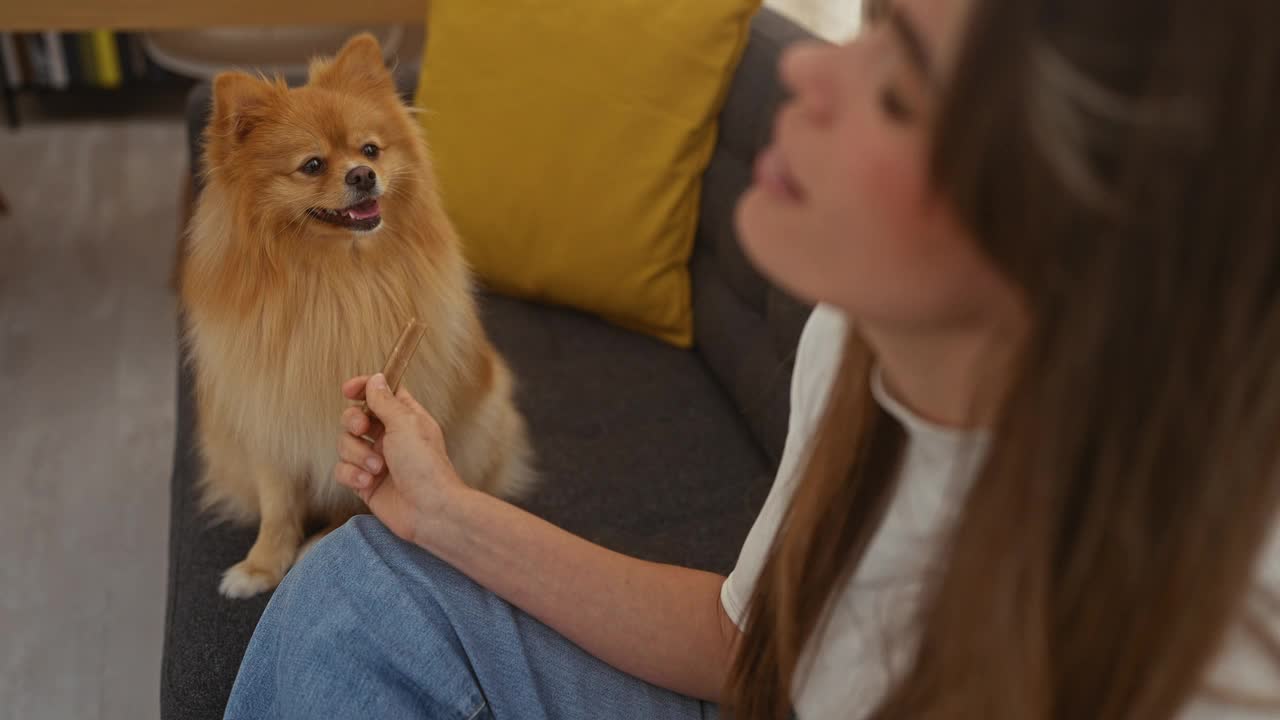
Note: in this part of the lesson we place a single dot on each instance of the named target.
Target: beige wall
(832, 19)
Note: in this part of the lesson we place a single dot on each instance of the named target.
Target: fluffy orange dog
(318, 235)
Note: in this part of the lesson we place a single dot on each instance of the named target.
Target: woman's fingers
(386, 406)
(353, 476)
(353, 389)
(377, 396)
(359, 424)
(358, 480)
(358, 453)
(356, 422)
(349, 475)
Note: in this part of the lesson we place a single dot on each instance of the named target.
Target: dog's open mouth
(361, 216)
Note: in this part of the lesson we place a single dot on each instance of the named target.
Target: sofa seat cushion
(638, 447)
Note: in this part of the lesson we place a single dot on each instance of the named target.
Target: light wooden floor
(86, 414)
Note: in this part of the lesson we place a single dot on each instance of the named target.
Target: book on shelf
(106, 57)
(37, 58)
(56, 61)
(9, 56)
(71, 55)
(62, 61)
(88, 68)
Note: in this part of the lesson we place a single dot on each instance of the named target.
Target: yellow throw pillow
(570, 139)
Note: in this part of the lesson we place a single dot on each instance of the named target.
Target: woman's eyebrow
(912, 42)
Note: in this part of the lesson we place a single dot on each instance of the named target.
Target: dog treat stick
(398, 361)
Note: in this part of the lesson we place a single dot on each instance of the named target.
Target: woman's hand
(660, 622)
(405, 476)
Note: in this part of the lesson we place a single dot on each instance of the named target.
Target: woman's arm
(661, 623)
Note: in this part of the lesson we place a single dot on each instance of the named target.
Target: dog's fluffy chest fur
(273, 373)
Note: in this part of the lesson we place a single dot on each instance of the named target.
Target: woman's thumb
(377, 394)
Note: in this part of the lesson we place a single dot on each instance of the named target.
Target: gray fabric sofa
(661, 453)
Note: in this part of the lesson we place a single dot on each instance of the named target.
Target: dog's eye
(313, 166)
(370, 150)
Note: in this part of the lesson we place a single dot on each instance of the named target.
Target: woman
(1030, 471)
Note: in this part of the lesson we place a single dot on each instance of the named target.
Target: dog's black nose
(362, 178)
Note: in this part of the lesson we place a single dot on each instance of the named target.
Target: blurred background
(93, 197)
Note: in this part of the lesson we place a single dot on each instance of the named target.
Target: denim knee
(357, 629)
(350, 538)
(362, 561)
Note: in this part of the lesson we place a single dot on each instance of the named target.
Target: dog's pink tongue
(365, 210)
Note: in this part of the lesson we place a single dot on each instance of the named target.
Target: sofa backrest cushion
(745, 328)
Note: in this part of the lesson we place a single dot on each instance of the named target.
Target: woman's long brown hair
(1120, 162)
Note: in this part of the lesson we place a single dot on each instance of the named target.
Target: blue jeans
(369, 626)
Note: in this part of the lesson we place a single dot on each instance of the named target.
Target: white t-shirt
(869, 639)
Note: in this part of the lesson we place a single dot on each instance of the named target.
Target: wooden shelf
(70, 15)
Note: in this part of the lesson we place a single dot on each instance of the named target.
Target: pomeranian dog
(318, 235)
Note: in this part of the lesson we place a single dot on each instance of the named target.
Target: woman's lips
(774, 176)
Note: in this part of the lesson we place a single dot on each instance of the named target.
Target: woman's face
(841, 210)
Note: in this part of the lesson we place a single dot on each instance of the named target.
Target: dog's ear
(240, 102)
(357, 67)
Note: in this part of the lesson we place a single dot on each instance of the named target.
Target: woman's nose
(805, 72)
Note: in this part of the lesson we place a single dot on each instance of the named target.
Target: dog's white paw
(243, 580)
